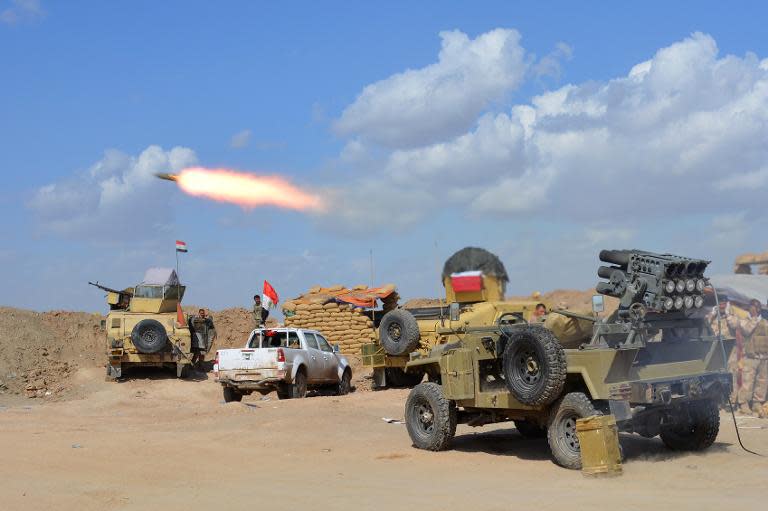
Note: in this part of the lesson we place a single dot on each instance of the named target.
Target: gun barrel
(167, 177)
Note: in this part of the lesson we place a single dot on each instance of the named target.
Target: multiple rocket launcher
(659, 282)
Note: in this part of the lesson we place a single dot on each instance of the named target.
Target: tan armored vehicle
(475, 282)
(655, 364)
(145, 325)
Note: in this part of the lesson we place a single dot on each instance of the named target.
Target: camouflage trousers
(754, 381)
(733, 368)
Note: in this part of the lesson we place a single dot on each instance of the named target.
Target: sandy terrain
(154, 442)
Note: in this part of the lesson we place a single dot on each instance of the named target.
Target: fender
(342, 366)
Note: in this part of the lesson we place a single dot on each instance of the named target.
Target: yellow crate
(599, 443)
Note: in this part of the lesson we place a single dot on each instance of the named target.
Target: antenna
(371, 262)
(440, 298)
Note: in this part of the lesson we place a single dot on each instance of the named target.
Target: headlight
(669, 287)
(690, 285)
(698, 301)
(688, 302)
(680, 286)
(679, 302)
(669, 302)
(700, 285)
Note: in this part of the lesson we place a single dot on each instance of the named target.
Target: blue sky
(542, 131)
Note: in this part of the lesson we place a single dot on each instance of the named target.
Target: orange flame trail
(245, 189)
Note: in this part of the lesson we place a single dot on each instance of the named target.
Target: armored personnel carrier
(145, 325)
(654, 364)
(475, 282)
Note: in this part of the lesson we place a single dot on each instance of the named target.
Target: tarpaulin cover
(741, 288)
(467, 281)
(365, 297)
(160, 277)
(475, 259)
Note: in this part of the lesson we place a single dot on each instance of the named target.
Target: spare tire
(398, 332)
(149, 336)
(534, 365)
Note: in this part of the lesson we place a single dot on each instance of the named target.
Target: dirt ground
(154, 442)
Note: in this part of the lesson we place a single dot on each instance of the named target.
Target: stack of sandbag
(330, 311)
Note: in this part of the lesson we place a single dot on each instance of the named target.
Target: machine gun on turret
(117, 300)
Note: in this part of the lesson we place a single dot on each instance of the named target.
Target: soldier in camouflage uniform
(260, 314)
(754, 379)
(726, 327)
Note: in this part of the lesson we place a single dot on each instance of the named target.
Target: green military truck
(654, 364)
(475, 282)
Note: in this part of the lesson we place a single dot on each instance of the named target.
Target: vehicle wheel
(698, 432)
(534, 366)
(396, 377)
(345, 385)
(530, 429)
(284, 391)
(182, 370)
(149, 336)
(299, 387)
(231, 394)
(561, 428)
(430, 417)
(399, 332)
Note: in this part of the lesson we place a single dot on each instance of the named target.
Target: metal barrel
(618, 257)
(605, 272)
(604, 288)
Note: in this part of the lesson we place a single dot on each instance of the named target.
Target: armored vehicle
(475, 282)
(145, 325)
(654, 364)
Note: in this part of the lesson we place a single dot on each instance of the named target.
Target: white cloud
(550, 64)
(21, 10)
(730, 229)
(421, 106)
(240, 139)
(683, 133)
(117, 196)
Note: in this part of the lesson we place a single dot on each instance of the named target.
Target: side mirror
(336, 348)
(454, 311)
(103, 324)
(598, 303)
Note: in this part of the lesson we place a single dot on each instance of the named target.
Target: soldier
(726, 328)
(203, 334)
(539, 313)
(754, 385)
(260, 314)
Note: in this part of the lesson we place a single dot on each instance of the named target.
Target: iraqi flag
(467, 281)
(269, 297)
(181, 246)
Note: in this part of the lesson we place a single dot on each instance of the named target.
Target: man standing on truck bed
(754, 378)
(260, 314)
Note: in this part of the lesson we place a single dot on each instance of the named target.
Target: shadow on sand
(509, 442)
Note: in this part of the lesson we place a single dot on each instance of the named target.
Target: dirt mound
(39, 351)
(416, 303)
(233, 327)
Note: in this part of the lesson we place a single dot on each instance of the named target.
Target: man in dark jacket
(203, 334)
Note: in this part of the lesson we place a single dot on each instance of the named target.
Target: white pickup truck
(288, 360)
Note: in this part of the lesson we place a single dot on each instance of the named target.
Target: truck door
(316, 368)
(329, 359)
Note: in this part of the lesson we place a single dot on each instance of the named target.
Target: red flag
(467, 281)
(269, 298)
